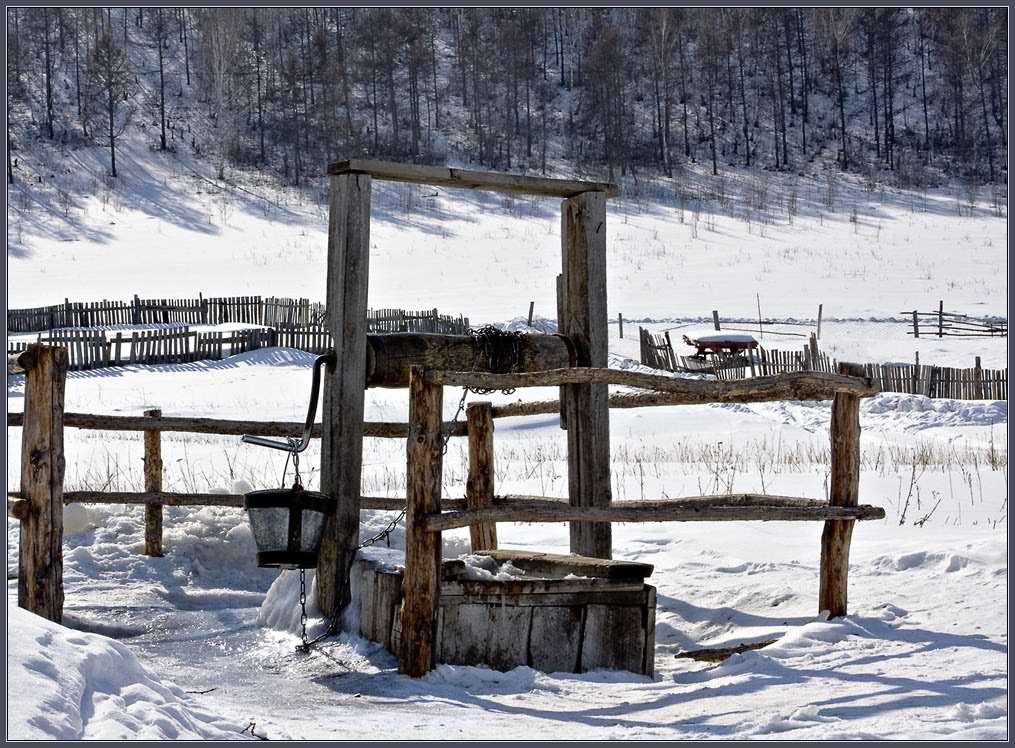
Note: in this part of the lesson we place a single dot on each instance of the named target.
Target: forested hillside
(897, 94)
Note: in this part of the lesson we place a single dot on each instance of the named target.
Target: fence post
(532, 306)
(978, 379)
(715, 318)
(819, 320)
(916, 325)
(845, 491)
(479, 486)
(561, 306)
(40, 555)
(153, 484)
(941, 318)
(422, 579)
(620, 322)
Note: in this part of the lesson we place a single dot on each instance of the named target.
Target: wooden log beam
(479, 485)
(153, 484)
(470, 180)
(344, 384)
(802, 385)
(40, 553)
(666, 510)
(224, 427)
(18, 508)
(390, 356)
(718, 654)
(422, 579)
(18, 363)
(844, 493)
(586, 406)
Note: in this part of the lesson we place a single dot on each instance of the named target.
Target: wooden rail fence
(426, 518)
(37, 504)
(953, 324)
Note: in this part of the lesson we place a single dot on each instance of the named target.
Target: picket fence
(274, 312)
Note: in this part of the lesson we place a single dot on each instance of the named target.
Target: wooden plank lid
(557, 565)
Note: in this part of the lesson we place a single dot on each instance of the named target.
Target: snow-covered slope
(160, 231)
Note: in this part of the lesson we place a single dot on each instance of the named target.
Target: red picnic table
(722, 345)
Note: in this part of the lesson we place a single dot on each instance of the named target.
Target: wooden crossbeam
(440, 176)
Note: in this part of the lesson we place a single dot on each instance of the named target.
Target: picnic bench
(724, 346)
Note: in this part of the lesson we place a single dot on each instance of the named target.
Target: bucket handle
(315, 387)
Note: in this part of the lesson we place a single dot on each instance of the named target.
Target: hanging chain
(303, 610)
(492, 342)
(385, 533)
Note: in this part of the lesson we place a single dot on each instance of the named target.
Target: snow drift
(68, 685)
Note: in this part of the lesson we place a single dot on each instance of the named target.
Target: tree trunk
(923, 82)
(111, 109)
(260, 102)
(986, 128)
(743, 101)
(392, 105)
(186, 46)
(873, 78)
(683, 94)
(49, 74)
(842, 107)
(160, 33)
(711, 117)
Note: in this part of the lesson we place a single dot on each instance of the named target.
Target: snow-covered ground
(922, 655)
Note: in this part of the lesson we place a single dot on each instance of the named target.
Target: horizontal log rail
(736, 508)
(16, 506)
(20, 361)
(224, 427)
(804, 385)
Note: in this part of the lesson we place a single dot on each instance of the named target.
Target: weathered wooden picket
(941, 381)
(657, 350)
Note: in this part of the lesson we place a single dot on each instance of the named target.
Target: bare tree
(111, 81)
(221, 44)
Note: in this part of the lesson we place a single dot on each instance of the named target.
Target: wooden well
(566, 614)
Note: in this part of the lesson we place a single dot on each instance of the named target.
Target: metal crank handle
(308, 426)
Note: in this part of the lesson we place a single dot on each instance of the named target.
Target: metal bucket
(287, 524)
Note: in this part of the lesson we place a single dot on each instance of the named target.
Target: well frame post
(585, 322)
(344, 383)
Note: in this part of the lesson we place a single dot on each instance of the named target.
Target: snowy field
(192, 645)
